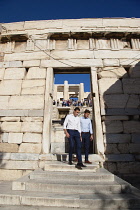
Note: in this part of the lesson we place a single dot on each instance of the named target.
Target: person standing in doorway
(72, 131)
(86, 133)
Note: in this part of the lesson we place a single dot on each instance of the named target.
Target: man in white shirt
(86, 133)
(72, 131)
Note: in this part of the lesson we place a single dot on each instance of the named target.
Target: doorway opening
(72, 88)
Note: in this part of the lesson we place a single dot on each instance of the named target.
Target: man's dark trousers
(74, 139)
(86, 143)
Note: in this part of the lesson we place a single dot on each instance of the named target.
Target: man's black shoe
(70, 162)
(78, 167)
(81, 165)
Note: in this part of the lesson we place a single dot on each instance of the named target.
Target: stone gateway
(31, 52)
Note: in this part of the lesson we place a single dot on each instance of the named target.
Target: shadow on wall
(120, 111)
(1, 153)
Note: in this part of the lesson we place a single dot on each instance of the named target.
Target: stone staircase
(62, 186)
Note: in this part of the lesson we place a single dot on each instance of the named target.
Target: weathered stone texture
(106, 118)
(30, 148)
(131, 126)
(27, 165)
(27, 102)
(134, 72)
(10, 87)
(4, 102)
(136, 138)
(134, 148)
(4, 137)
(33, 87)
(112, 127)
(117, 138)
(116, 100)
(2, 71)
(24, 156)
(15, 138)
(119, 158)
(131, 86)
(32, 127)
(10, 119)
(15, 57)
(31, 63)
(32, 137)
(111, 62)
(14, 73)
(11, 127)
(5, 147)
(133, 101)
(32, 119)
(110, 86)
(111, 149)
(36, 73)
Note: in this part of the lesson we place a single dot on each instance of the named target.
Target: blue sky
(16, 10)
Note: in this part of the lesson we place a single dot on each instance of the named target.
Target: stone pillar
(55, 93)
(48, 111)
(98, 133)
(66, 90)
(81, 91)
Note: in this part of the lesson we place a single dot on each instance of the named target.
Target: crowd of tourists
(73, 102)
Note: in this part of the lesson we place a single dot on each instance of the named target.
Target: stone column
(46, 142)
(55, 93)
(81, 91)
(66, 90)
(98, 133)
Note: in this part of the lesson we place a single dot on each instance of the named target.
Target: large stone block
(10, 64)
(8, 175)
(15, 138)
(10, 119)
(124, 167)
(32, 127)
(32, 63)
(57, 147)
(111, 149)
(4, 102)
(72, 62)
(26, 102)
(117, 138)
(32, 137)
(36, 73)
(33, 87)
(116, 100)
(58, 136)
(110, 86)
(15, 57)
(27, 165)
(123, 148)
(119, 54)
(111, 62)
(2, 71)
(32, 119)
(24, 156)
(131, 86)
(119, 72)
(131, 126)
(15, 73)
(77, 54)
(136, 138)
(36, 113)
(134, 72)
(133, 101)
(106, 74)
(5, 147)
(123, 117)
(134, 149)
(127, 62)
(30, 148)
(11, 113)
(112, 127)
(11, 127)
(4, 137)
(119, 158)
(43, 24)
(10, 87)
(15, 26)
(5, 156)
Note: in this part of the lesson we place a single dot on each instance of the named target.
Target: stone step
(97, 201)
(100, 175)
(64, 166)
(8, 207)
(70, 187)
